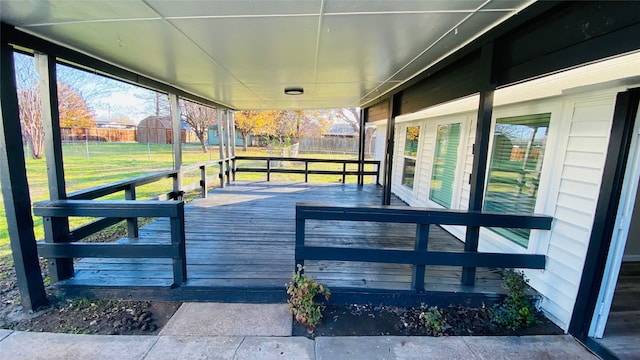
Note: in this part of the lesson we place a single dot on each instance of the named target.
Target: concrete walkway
(251, 331)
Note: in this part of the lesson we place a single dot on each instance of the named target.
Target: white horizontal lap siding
(580, 164)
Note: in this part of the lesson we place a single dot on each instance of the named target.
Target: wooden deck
(240, 240)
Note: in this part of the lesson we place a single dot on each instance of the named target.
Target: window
(514, 173)
(445, 160)
(411, 141)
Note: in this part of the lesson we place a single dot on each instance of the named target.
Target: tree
(73, 109)
(349, 115)
(295, 124)
(30, 111)
(255, 122)
(199, 118)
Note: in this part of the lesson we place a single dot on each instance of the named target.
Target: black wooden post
(132, 223)
(422, 241)
(15, 189)
(480, 154)
(268, 170)
(300, 228)
(394, 110)
(203, 181)
(306, 171)
(344, 172)
(178, 240)
(361, 146)
(56, 229)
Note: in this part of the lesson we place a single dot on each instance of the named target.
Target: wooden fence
(98, 134)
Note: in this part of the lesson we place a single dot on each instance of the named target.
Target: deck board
(243, 236)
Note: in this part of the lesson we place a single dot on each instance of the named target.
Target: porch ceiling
(243, 54)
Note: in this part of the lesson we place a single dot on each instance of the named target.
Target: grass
(94, 164)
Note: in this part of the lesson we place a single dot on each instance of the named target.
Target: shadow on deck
(240, 248)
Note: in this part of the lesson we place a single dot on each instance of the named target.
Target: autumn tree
(199, 118)
(295, 124)
(73, 109)
(255, 122)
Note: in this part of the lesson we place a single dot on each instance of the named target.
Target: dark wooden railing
(420, 256)
(268, 169)
(62, 250)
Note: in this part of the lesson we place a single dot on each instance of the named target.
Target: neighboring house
(341, 130)
(548, 155)
(214, 139)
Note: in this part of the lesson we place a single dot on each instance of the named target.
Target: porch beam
(361, 145)
(227, 127)
(480, 153)
(177, 143)
(233, 145)
(56, 230)
(394, 110)
(15, 189)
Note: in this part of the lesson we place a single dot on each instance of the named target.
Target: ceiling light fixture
(294, 91)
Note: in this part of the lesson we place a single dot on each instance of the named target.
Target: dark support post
(394, 110)
(178, 239)
(177, 144)
(268, 170)
(15, 189)
(306, 171)
(132, 223)
(422, 240)
(221, 147)
(480, 154)
(300, 227)
(203, 181)
(56, 229)
(361, 146)
(344, 172)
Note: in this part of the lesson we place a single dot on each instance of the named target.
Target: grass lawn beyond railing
(88, 165)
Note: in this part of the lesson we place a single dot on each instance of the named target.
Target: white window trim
(547, 194)
(416, 174)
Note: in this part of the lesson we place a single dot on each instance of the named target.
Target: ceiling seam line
(318, 35)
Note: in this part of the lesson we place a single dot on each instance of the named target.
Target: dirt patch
(366, 320)
(79, 316)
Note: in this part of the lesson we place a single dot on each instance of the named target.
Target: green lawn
(93, 164)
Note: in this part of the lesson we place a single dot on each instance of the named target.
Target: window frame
(416, 169)
(545, 203)
(460, 159)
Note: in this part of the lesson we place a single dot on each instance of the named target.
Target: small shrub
(517, 309)
(302, 292)
(431, 318)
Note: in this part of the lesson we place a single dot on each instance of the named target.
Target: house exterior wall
(569, 186)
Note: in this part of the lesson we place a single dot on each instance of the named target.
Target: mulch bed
(367, 320)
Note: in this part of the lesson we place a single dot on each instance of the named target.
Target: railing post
(221, 173)
(344, 172)
(132, 223)
(422, 240)
(306, 171)
(178, 240)
(300, 228)
(59, 268)
(268, 170)
(203, 181)
(221, 147)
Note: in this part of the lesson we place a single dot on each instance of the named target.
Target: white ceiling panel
(243, 53)
(217, 8)
(246, 46)
(30, 12)
(382, 44)
(453, 40)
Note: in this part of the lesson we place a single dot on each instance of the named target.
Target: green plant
(517, 309)
(431, 318)
(302, 292)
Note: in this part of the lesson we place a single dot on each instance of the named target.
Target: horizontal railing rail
(419, 257)
(63, 248)
(268, 169)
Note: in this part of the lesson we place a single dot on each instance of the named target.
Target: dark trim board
(626, 108)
